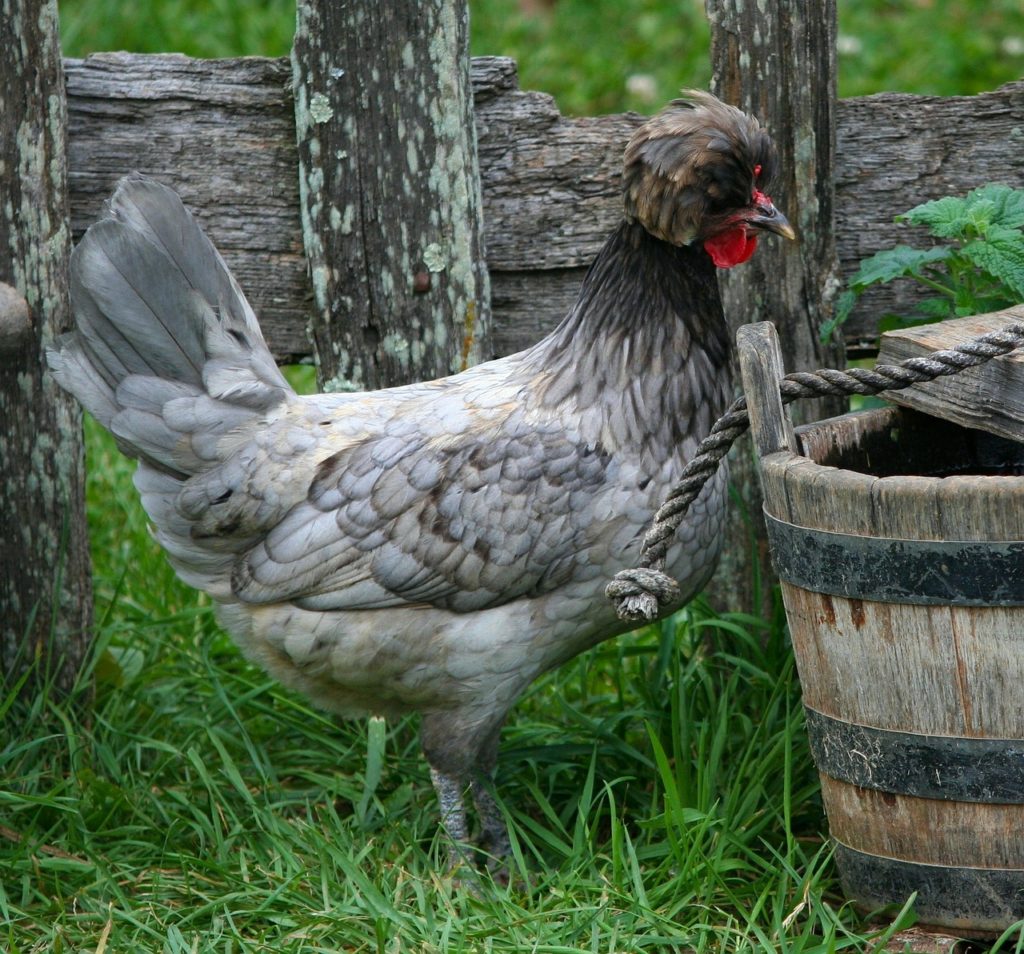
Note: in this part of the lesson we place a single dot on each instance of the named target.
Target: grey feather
(155, 213)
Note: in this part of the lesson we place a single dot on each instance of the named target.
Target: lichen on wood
(45, 591)
(389, 188)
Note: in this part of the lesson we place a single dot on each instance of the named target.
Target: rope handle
(639, 593)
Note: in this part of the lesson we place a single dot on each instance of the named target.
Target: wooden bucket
(899, 539)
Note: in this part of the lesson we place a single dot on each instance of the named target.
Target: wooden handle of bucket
(761, 368)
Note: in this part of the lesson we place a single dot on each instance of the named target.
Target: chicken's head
(698, 171)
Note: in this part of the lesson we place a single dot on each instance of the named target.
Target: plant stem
(938, 286)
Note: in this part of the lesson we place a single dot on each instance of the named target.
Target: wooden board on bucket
(989, 397)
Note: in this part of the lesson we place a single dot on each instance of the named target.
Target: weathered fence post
(390, 190)
(45, 586)
(780, 67)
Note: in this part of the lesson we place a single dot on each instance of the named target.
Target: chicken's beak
(770, 219)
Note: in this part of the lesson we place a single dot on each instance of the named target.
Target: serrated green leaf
(987, 303)
(948, 217)
(890, 322)
(1002, 257)
(981, 213)
(961, 217)
(1001, 233)
(926, 312)
(1007, 204)
(844, 305)
(898, 262)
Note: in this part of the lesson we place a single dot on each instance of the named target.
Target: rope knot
(640, 593)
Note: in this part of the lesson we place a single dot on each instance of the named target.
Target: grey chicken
(433, 547)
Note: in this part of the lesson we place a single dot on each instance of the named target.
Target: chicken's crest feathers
(691, 166)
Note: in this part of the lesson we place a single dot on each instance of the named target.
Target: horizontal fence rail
(222, 133)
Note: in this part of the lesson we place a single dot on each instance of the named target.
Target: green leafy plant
(979, 268)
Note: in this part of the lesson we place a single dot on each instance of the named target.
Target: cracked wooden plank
(989, 397)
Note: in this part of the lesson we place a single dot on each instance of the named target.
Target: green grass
(203, 28)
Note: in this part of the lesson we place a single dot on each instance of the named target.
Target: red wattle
(731, 248)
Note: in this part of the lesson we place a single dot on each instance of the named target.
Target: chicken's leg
(453, 815)
(453, 769)
(493, 837)
(493, 831)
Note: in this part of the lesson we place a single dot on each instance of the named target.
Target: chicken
(433, 547)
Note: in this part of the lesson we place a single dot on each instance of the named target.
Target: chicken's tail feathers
(166, 352)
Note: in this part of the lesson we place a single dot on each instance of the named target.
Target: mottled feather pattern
(509, 482)
(455, 522)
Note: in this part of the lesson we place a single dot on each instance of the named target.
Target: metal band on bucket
(924, 766)
(929, 572)
(976, 898)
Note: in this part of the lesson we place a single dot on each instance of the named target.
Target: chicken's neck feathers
(645, 345)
